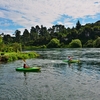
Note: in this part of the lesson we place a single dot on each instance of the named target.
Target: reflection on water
(57, 80)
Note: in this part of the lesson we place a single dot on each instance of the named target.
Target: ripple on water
(56, 81)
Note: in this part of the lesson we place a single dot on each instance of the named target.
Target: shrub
(12, 56)
(76, 43)
(4, 58)
(2, 53)
(96, 43)
(54, 43)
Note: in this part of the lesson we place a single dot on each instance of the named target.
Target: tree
(37, 29)
(43, 31)
(26, 36)
(74, 33)
(89, 44)
(17, 36)
(78, 25)
(54, 43)
(76, 43)
(7, 39)
(96, 43)
(1, 44)
(16, 47)
(33, 34)
(1, 40)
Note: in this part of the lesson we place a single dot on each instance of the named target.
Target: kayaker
(69, 58)
(25, 66)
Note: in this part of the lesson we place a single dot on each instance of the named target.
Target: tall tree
(26, 36)
(18, 36)
(37, 29)
(7, 39)
(43, 30)
(33, 34)
(78, 25)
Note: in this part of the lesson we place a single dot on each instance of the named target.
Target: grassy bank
(12, 56)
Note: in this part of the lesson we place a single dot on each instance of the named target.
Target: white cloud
(29, 13)
(7, 31)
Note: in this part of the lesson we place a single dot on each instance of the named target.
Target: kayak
(72, 61)
(30, 69)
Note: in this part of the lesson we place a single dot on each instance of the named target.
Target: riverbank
(12, 56)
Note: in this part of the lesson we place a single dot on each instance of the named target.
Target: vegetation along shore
(12, 56)
(58, 36)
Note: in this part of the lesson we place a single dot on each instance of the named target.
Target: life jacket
(24, 66)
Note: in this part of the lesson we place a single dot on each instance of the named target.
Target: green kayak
(31, 69)
(72, 61)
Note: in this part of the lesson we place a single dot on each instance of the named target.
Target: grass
(12, 56)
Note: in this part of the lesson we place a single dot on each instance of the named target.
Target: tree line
(57, 36)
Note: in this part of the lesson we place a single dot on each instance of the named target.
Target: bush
(12, 56)
(88, 44)
(4, 58)
(54, 43)
(96, 43)
(2, 53)
(76, 43)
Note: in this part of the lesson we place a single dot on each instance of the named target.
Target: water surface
(57, 80)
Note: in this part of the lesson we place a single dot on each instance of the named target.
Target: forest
(57, 36)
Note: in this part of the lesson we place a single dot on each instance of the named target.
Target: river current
(57, 80)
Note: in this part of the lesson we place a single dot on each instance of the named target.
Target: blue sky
(23, 14)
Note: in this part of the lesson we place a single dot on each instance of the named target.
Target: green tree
(26, 36)
(1, 43)
(16, 47)
(54, 43)
(1, 39)
(33, 34)
(76, 43)
(96, 43)
(78, 25)
(44, 35)
(43, 31)
(74, 33)
(89, 44)
(17, 36)
(7, 39)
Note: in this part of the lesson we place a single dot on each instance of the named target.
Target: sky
(23, 14)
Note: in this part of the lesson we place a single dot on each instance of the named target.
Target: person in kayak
(25, 66)
(69, 58)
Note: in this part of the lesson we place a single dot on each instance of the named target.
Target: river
(57, 80)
